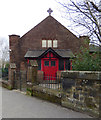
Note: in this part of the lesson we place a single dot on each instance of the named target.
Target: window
(49, 43)
(55, 43)
(39, 64)
(43, 43)
(61, 64)
(67, 64)
(52, 63)
(46, 63)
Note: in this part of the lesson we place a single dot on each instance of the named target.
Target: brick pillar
(11, 75)
(34, 66)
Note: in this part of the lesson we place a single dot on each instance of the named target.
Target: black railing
(51, 82)
(21, 81)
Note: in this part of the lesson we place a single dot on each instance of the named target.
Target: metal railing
(21, 81)
(51, 82)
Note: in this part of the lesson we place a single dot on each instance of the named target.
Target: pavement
(18, 105)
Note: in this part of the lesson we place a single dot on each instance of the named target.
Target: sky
(19, 16)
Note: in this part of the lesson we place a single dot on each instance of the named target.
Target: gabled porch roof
(61, 53)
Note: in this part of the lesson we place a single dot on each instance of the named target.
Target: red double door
(50, 67)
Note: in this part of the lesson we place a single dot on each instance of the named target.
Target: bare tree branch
(86, 14)
(96, 7)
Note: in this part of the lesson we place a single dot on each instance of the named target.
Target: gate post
(12, 75)
(34, 66)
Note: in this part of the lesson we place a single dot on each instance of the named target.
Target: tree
(4, 51)
(86, 15)
(96, 7)
(5, 70)
(4, 58)
(84, 61)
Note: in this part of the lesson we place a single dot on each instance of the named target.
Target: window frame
(45, 63)
(61, 64)
(49, 43)
(54, 64)
(44, 43)
(55, 43)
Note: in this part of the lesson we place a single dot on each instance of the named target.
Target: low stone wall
(6, 84)
(45, 93)
(82, 91)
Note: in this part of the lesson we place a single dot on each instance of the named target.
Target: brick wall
(14, 49)
(48, 29)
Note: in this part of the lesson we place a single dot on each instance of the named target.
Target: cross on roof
(50, 11)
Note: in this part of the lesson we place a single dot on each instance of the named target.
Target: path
(17, 105)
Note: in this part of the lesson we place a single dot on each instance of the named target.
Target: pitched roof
(50, 29)
(41, 53)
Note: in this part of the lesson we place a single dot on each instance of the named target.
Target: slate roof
(39, 53)
(64, 53)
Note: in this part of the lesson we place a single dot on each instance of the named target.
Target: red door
(50, 69)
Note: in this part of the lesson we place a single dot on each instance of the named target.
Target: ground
(18, 105)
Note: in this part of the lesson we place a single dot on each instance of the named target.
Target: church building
(49, 42)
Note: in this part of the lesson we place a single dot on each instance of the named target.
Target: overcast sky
(19, 16)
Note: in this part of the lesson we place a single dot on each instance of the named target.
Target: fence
(51, 82)
(21, 81)
(81, 90)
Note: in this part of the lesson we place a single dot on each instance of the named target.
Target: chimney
(13, 40)
(84, 41)
(13, 48)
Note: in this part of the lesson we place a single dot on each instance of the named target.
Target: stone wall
(6, 84)
(44, 93)
(82, 91)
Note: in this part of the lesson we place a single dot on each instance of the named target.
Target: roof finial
(50, 11)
